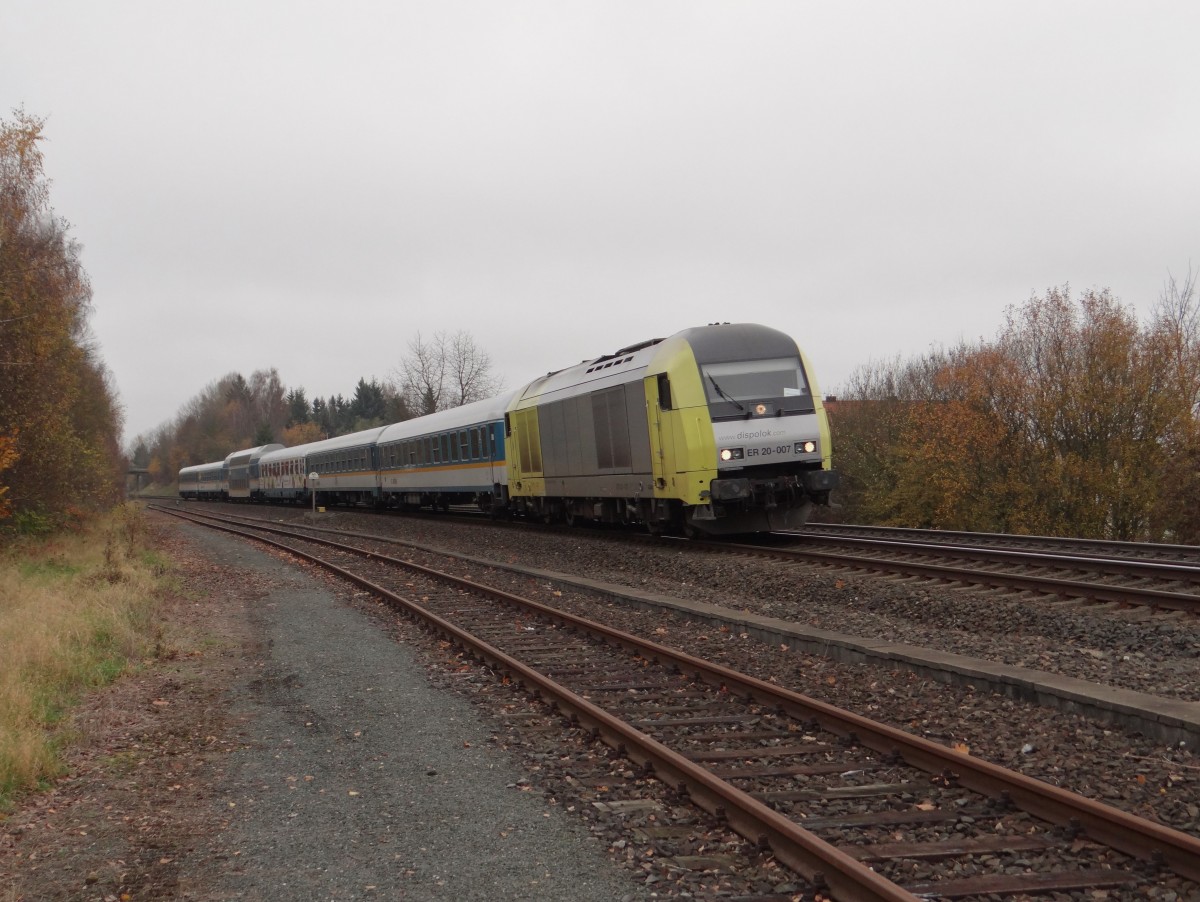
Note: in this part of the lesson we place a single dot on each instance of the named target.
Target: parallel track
(776, 759)
(1160, 585)
(1134, 578)
(1078, 548)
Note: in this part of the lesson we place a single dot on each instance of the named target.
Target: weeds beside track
(76, 611)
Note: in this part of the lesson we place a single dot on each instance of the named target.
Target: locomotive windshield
(746, 388)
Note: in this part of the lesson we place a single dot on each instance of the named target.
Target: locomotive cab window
(752, 387)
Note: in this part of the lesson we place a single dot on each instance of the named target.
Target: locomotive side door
(662, 438)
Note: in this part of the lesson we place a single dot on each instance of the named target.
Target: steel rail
(1155, 598)
(1109, 826)
(1113, 566)
(838, 530)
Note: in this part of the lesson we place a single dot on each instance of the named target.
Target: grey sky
(306, 185)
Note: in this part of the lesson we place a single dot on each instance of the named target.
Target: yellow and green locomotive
(717, 429)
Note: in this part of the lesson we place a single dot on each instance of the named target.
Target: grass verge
(76, 611)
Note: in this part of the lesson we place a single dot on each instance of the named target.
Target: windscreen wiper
(721, 392)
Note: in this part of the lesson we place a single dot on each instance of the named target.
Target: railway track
(1146, 551)
(780, 768)
(1157, 584)
(1124, 574)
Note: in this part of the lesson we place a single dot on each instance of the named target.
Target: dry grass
(76, 611)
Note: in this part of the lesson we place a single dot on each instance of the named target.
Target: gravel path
(346, 784)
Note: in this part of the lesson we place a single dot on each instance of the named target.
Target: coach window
(465, 444)
(454, 446)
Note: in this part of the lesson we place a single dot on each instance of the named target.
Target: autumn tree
(232, 413)
(868, 421)
(58, 407)
(1094, 398)
(302, 434)
(1176, 331)
(8, 457)
(1074, 420)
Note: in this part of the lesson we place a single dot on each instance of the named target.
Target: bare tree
(422, 374)
(1177, 322)
(444, 372)
(469, 371)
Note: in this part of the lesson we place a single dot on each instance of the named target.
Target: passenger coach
(452, 457)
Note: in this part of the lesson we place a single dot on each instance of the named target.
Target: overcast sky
(308, 185)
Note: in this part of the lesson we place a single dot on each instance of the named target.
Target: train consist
(717, 429)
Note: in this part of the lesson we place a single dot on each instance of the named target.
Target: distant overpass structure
(137, 473)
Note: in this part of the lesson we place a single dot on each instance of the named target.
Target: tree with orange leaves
(8, 457)
(57, 406)
(1075, 420)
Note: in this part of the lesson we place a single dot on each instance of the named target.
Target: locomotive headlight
(806, 447)
(732, 454)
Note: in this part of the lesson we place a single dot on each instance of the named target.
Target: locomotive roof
(715, 343)
(737, 341)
